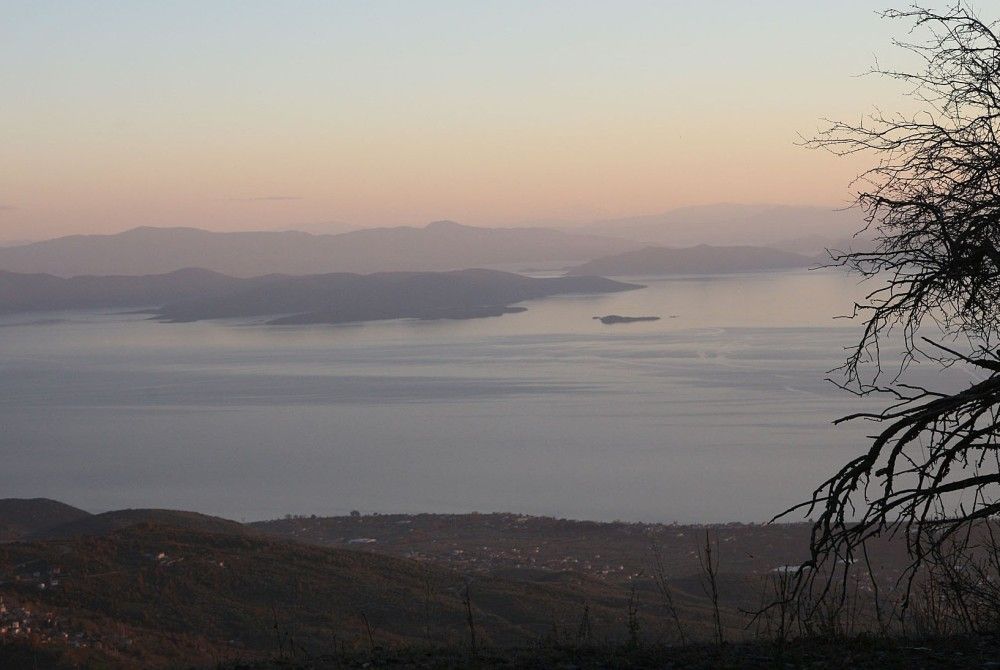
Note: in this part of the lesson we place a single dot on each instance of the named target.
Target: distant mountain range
(438, 246)
(807, 230)
(443, 245)
(702, 259)
(192, 295)
(15, 243)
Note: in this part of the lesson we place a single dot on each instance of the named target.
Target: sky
(270, 115)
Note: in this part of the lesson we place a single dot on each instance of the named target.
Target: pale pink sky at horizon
(257, 115)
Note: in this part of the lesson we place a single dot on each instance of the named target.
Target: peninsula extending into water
(196, 295)
(611, 319)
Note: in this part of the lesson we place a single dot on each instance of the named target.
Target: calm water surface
(717, 412)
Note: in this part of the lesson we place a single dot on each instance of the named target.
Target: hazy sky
(238, 115)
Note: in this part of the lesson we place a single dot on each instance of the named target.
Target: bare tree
(662, 581)
(709, 561)
(932, 205)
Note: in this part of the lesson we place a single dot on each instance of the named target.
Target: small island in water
(615, 318)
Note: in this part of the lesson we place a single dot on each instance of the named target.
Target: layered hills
(163, 589)
(442, 245)
(157, 588)
(803, 229)
(701, 259)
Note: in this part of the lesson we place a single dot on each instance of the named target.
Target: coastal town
(501, 543)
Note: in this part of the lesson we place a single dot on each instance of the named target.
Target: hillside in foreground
(952, 653)
(162, 588)
(149, 588)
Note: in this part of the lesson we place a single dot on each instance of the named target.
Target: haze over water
(718, 414)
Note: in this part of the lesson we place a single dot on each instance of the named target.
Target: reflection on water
(717, 412)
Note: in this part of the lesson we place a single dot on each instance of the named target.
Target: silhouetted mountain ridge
(701, 259)
(788, 227)
(442, 245)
